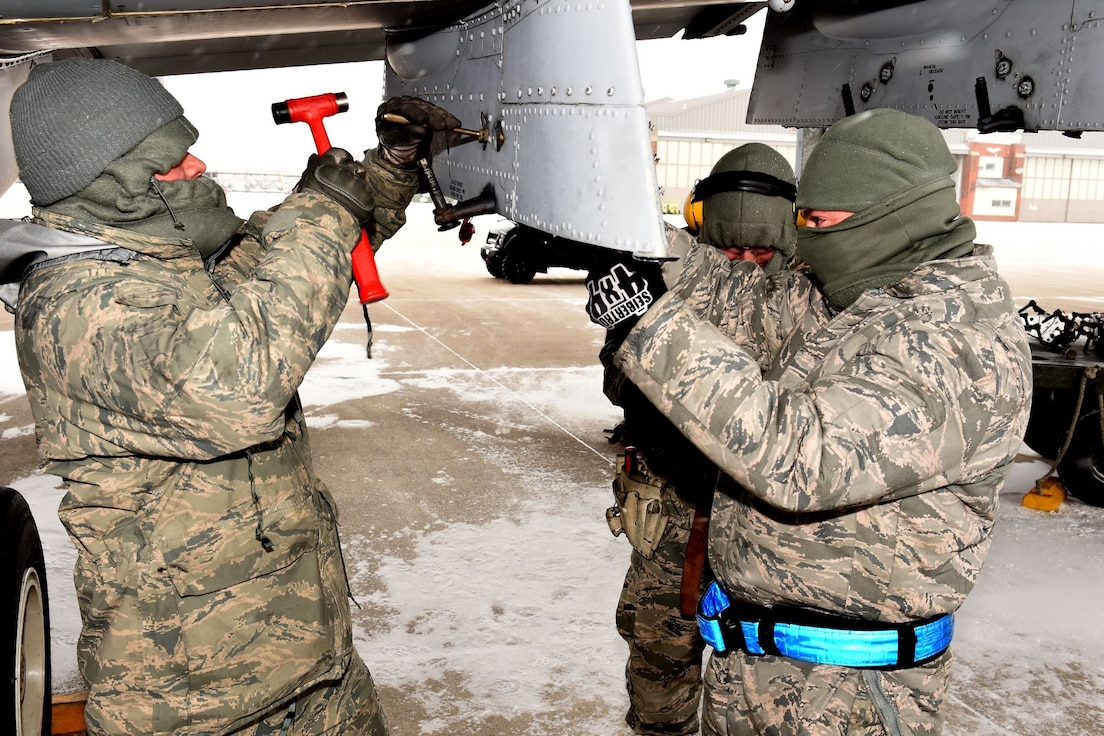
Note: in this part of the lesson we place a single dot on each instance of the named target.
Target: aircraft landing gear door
(556, 86)
(24, 622)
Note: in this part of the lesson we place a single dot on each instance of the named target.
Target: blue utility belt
(820, 638)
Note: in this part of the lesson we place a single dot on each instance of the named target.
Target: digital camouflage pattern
(393, 187)
(209, 576)
(748, 695)
(663, 673)
(345, 707)
(754, 309)
(862, 468)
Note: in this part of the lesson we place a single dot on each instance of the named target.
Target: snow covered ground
(484, 617)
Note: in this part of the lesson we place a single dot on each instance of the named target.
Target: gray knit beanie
(73, 117)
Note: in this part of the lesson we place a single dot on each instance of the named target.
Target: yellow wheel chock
(1047, 495)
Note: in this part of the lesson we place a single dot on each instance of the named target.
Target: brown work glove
(403, 143)
(336, 175)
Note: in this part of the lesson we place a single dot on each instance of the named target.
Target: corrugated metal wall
(693, 134)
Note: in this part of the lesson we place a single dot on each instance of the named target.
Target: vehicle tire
(1051, 414)
(25, 622)
(517, 268)
(1082, 468)
(494, 265)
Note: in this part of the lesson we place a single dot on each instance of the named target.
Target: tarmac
(500, 408)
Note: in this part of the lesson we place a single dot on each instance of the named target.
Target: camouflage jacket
(871, 450)
(736, 297)
(164, 393)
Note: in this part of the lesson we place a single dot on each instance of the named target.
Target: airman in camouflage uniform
(746, 223)
(861, 470)
(162, 341)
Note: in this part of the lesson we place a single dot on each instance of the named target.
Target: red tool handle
(312, 111)
(365, 275)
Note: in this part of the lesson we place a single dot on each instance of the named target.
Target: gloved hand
(336, 175)
(402, 143)
(618, 294)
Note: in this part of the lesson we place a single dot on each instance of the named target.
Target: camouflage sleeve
(761, 314)
(249, 247)
(679, 243)
(698, 275)
(247, 359)
(735, 296)
(795, 301)
(729, 294)
(886, 424)
(166, 371)
(393, 188)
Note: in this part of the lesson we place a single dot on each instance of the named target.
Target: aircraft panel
(53, 9)
(992, 65)
(278, 50)
(136, 31)
(556, 86)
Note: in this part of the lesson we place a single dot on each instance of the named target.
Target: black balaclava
(893, 170)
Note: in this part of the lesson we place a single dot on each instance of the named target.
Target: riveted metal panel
(1034, 60)
(560, 80)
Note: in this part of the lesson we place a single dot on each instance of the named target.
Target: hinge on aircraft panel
(1008, 119)
(721, 20)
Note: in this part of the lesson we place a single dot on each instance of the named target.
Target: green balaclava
(893, 170)
(126, 195)
(89, 134)
(748, 201)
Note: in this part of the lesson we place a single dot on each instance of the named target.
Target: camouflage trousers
(748, 695)
(664, 670)
(348, 707)
(227, 660)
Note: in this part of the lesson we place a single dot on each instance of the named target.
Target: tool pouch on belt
(643, 503)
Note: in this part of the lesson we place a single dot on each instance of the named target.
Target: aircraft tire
(25, 622)
(1082, 467)
(1051, 413)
